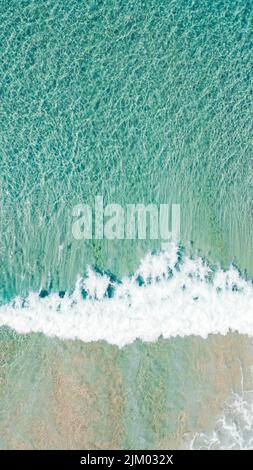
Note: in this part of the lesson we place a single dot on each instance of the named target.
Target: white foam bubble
(233, 429)
(165, 297)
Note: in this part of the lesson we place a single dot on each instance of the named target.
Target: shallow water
(57, 394)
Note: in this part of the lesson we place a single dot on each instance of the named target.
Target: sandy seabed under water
(71, 395)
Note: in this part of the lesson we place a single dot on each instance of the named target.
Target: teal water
(139, 102)
(136, 101)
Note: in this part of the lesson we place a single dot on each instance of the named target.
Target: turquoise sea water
(138, 102)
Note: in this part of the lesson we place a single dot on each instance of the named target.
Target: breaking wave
(170, 294)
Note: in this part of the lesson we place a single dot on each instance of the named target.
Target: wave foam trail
(234, 428)
(170, 294)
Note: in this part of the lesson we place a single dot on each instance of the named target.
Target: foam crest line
(169, 295)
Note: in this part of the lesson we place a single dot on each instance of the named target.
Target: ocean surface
(126, 343)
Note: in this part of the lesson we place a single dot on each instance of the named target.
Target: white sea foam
(169, 295)
(233, 429)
